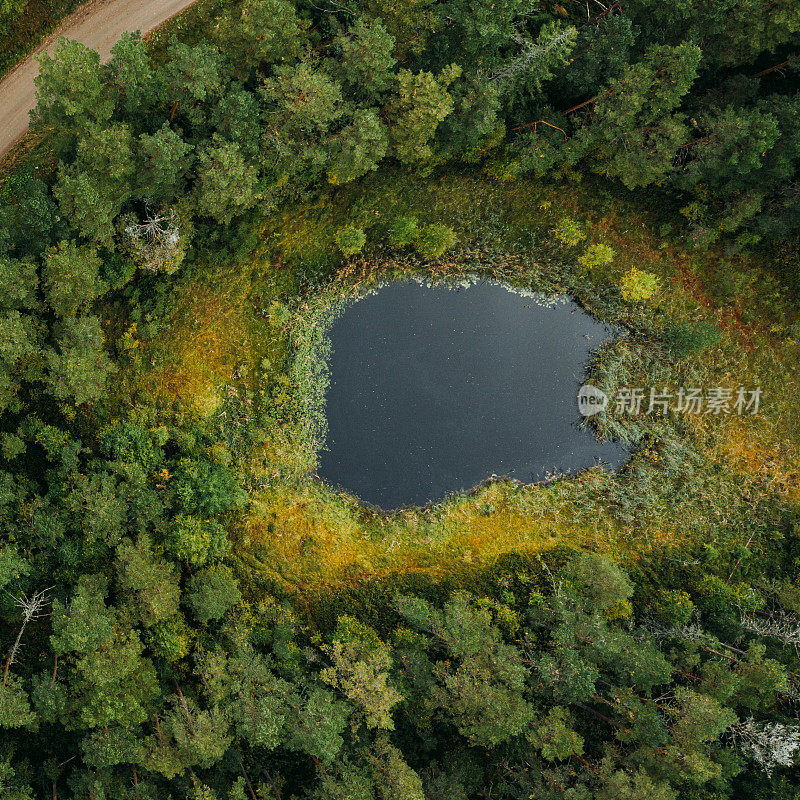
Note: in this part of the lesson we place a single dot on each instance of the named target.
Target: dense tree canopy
(698, 100)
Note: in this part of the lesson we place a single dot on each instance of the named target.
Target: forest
(187, 612)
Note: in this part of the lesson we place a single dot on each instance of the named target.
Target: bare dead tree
(769, 744)
(155, 242)
(780, 626)
(32, 608)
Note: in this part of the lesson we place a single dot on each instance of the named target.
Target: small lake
(435, 389)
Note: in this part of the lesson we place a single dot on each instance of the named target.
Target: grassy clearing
(693, 482)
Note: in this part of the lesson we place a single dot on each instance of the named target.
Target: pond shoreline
(515, 392)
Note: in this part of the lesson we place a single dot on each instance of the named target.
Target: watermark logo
(633, 400)
(591, 400)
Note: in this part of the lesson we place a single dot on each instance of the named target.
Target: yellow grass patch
(307, 538)
(208, 336)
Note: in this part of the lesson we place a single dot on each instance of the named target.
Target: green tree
(595, 257)
(30, 220)
(194, 75)
(15, 707)
(480, 680)
(728, 161)
(201, 735)
(393, 777)
(86, 622)
(623, 785)
(13, 785)
(357, 148)
(380, 773)
(130, 78)
(226, 183)
(10, 10)
(71, 278)
(602, 585)
(18, 337)
(474, 127)
(634, 133)
(111, 746)
(212, 591)
(602, 52)
(733, 34)
(148, 582)
(366, 63)
(360, 670)
(420, 102)
(262, 32)
(163, 159)
(699, 718)
(80, 366)
(258, 701)
(205, 487)
(18, 283)
(105, 154)
(110, 682)
(317, 723)
(304, 99)
(410, 22)
(236, 118)
(95, 505)
(84, 205)
(170, 638)
(302, 105)
(554, 737)
(70, 91)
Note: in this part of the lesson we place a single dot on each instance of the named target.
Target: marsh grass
(690, 483)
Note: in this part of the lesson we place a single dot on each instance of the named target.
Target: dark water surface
(433, 390)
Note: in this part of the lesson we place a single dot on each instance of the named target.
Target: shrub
(569, 232)
(350, 240)
(638, 285)
(434, 239)
(596, 256)
(404, 231)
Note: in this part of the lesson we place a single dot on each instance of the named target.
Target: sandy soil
(97, 24)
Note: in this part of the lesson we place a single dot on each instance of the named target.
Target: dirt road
(97, 24)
